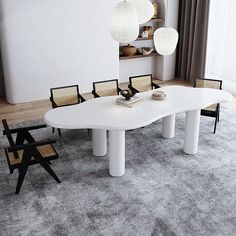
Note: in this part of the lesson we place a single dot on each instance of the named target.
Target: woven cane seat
(47, 152)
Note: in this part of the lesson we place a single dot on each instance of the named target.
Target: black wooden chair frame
(54, 105)
(215, 114)
(104, 81)
(31, 154)
(134, 90)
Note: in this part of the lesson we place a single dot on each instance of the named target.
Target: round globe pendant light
(125, 26)
(145, 10)
(166, 38)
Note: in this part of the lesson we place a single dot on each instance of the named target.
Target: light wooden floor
(36, 110)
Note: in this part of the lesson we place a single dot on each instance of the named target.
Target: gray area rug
(164, 191)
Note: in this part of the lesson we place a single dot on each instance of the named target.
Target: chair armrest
(54, 105)
(156, 86)
(133, 90)
(82, 98)
(95, 94)
(28, 145)
(13, 131)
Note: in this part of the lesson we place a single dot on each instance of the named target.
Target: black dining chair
(65, 96)
(26, 151)
(106, 88)
(142, 83)
(213, 110)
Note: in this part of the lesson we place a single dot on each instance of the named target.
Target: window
(221, 47)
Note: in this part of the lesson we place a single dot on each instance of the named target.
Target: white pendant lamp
(145, 10)
(125, 26)
(166, 38)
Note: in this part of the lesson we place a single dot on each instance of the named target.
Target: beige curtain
(193, 30)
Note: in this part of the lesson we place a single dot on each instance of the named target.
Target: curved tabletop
(103, 113)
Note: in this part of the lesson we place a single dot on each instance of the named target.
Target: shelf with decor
(146, 35)
(153, 54)
(157, 20)
(141, 39)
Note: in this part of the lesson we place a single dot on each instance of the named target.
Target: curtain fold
(192, 47)
(2, 89)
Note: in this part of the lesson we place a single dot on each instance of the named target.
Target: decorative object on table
(125, 25)
(213, 110)
(158, 95)
(145, 10)
(128, 50)
(141, 83)
(129, 103)
(144, 34)
(145, 50)
(127, 94)
(166, 38)
(155, 5)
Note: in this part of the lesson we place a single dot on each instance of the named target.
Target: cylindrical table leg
(117, 153)
(192, 123)
(99, 142)
(168, 126)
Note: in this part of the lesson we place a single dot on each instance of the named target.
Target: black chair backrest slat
(9, 137)
(8, 133)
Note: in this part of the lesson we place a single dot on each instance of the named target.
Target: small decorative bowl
(158, 95)
(127, 94)
(145, 50)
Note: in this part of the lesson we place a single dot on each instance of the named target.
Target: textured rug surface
(164, 191)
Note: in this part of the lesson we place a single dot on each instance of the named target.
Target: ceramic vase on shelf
(147, 32)
(128, 50)
(144, 34)
(155, 4)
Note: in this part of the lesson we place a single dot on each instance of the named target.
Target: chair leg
(50, 171)
(218, 116)
(59, 132)
(215, 124)
(53, 130)
(89, 133)
(22, 171)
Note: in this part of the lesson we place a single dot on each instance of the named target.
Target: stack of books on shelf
(129, 103)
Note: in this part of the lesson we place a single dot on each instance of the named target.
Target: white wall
(160, 67)
(47, 43)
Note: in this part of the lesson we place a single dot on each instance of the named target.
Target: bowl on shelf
(127, 94)
(128, 50)
(145, 50)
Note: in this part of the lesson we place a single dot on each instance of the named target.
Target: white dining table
(103, 114)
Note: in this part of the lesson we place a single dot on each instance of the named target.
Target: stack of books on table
(129, 103)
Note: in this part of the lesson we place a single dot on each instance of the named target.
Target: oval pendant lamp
(166, 38)
(145, 10)
(125, 26)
